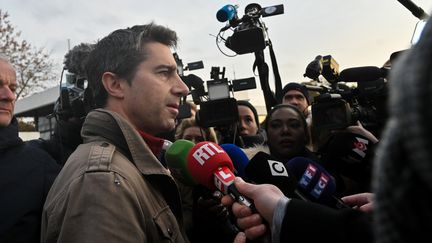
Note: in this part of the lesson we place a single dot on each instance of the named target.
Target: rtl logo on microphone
(223, 177)
(307, 176)
(205, 152)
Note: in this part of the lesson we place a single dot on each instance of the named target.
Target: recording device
(350, 156)
(192, 81)
(250, 33)
(218, 107)
(74, 100)
(176, 159)
(315, 182)
(211, 167)
(338, 105)
(238, 157)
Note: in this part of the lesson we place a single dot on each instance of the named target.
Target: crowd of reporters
(337, 203)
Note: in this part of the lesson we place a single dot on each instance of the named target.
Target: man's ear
(113, 84)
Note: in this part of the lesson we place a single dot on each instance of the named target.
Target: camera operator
(70, 108)
(296, 94)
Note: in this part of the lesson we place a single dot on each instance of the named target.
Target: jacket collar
(9, 135)
(104, 125)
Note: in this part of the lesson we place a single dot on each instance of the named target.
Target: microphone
(226, 13)
(315, 182)
(362, 74)
(238, 157)
(314, 68)
(263, 168)
(211, 167)
(176, 159)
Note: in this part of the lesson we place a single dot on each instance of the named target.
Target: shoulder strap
(100, 156)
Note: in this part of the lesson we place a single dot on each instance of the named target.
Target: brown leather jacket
(112, 189)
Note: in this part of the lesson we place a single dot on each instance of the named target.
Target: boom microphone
(362, 74)
(211, 167)
(315, 182)
(238, 157)
(176, 159)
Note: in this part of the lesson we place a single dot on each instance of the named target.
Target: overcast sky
(355, 33)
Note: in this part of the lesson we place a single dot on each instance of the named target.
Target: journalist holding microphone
(294, 220)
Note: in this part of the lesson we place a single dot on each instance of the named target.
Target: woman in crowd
(249, 126)
(189, 130)
(287, 133)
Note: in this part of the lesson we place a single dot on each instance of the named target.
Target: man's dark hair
(121, 52)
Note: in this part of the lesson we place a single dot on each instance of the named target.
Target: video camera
(215, 97)
(74, 101)
(218, 107)
(338, 106)
(249, 31)
(71, 101)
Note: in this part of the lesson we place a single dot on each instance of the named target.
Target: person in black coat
(26, 172)
(293, 220)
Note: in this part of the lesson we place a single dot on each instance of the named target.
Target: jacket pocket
(167, 224)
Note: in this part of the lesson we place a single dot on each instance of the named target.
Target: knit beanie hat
(296, 86)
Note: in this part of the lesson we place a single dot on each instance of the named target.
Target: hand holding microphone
(266, 197)
(211, 167)
(361, 201)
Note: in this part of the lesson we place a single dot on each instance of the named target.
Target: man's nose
(181, 88)
(7, 94)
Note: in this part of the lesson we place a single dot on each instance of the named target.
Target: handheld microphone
(315, 182)
(238, 157)
(176, 159)
(263, 168)
(226, 13)
(362, 74)
(211, 167)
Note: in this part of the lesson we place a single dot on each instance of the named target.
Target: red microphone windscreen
(204, 159)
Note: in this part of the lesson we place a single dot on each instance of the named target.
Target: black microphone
(314, 68)
(315, 182)
(263, 168)
(362, 74)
